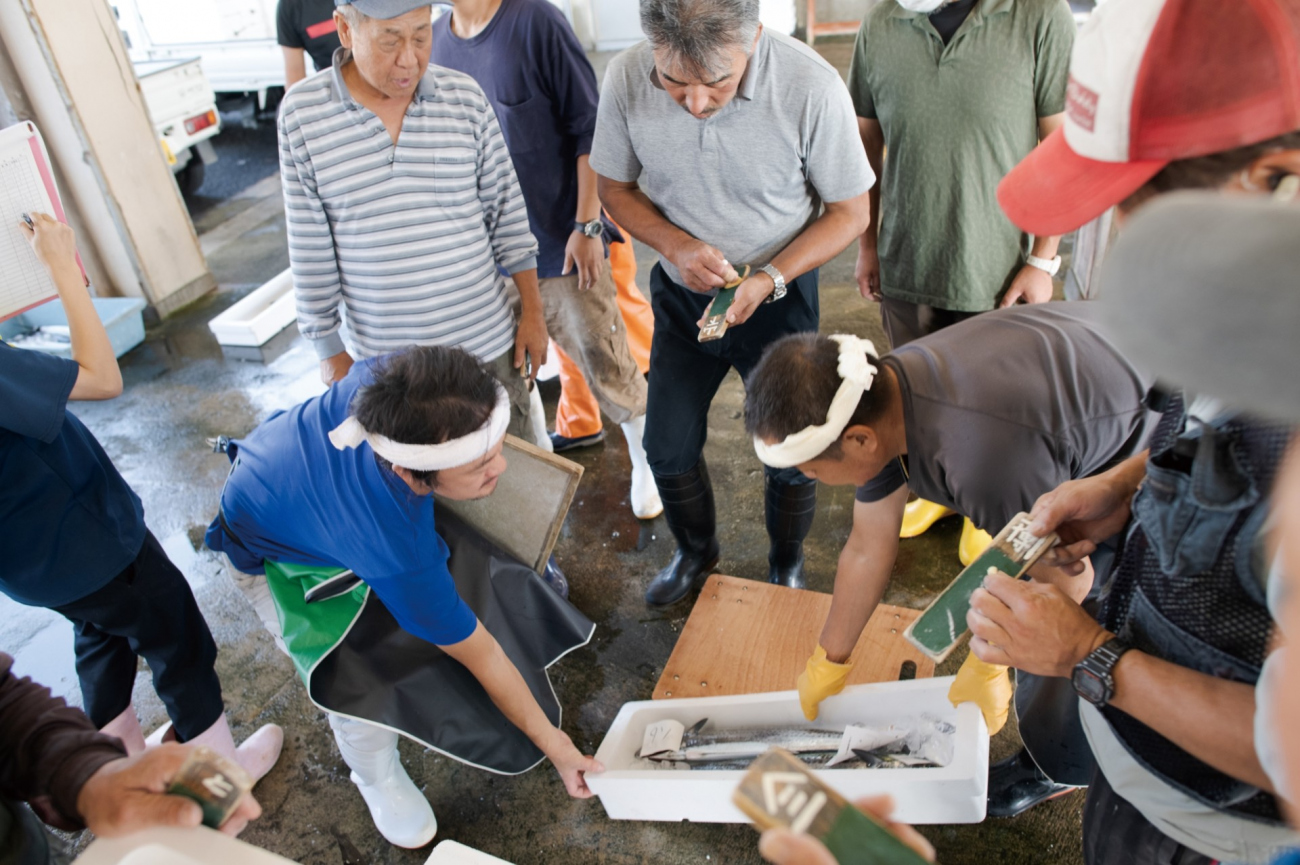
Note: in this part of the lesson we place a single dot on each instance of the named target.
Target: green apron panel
(311, 633)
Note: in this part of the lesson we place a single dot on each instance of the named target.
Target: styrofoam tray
(257, 318)
(165, 845)
(956, 793)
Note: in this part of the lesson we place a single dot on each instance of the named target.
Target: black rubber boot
(1017, 784)
(689, 512)
(790, 509)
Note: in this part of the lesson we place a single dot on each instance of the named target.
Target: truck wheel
(190, 178)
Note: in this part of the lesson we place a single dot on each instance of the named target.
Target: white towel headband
(807, 444)
(429, 458)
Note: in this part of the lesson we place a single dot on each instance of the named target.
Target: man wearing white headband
(982, 417)
(349, 480)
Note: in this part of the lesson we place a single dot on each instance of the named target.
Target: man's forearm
(588, 195)
(873, 143)
(835, 229)
(483, 656)
(863, 572)
(633, 210)
(1046, 247)
(530, 295)
(1210, 718)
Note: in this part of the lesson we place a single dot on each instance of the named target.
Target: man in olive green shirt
(956, 93)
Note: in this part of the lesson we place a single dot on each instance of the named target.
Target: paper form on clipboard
(26, 186)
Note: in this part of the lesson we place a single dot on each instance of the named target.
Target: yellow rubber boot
(973, 542)
(987, 686)
(919, 515)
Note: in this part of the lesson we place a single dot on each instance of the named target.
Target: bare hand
(782, 847)
(1083, 513)
(867, 273)
(572, 765)
(588, 253)
(129, 795)
(749, 295)
(1031, 285)
(335, 368)
(1031, 626)
(702, 267)
(54, 243)
(531, 338)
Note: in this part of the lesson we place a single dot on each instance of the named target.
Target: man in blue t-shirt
(347, 480)
(75, 540)
(524, 55)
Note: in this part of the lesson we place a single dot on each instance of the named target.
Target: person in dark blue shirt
(348, 480)
(75, 540)
(524, 55)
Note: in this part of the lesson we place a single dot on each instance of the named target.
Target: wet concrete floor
(180, 391)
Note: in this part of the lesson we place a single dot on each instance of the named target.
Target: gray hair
(695, 33)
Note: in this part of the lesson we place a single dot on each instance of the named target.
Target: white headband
(857, 374)
(429, 458)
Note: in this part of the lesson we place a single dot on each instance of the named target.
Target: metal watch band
(778, 281)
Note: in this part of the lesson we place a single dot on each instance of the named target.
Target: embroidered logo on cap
(1081, 103)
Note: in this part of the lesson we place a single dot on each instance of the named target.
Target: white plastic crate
(956, 793)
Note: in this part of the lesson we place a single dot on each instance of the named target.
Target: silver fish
(738, 744)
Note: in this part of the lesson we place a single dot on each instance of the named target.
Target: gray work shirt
(752, 177)
(1007, 406)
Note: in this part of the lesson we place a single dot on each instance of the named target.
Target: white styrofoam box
(452, 853)
(165, 845)
(123, 318)
(956, 793)
(255, 319)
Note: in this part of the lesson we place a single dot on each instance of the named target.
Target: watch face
(593, 229)
(1090, 686)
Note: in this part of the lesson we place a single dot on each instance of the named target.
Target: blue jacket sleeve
(425, 603)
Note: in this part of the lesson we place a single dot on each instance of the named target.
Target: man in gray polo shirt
(745, 140)
(983, 417)
(402, 205)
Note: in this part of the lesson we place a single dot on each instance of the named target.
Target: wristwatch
(1048, 265)
(595, 228)
(1093, 677)
(777, 280)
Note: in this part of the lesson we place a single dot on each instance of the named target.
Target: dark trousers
(147, 611)
(905, 321)
(1116, 833)
(686, 373)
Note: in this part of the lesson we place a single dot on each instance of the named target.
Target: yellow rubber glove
(819, 680)
(987, 686)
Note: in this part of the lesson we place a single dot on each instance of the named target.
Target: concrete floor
(180, 391)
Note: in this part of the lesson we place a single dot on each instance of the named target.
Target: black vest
(1189, 583)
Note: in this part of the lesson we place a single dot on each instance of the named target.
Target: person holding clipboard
(75, 539)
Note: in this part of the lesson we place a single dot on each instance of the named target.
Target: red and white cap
(1152, 81)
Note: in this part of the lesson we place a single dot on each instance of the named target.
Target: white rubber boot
(126, 727)
(258, 752)
(537, 420)
(399, 809)
(645, 495)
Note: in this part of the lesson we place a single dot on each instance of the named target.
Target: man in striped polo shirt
(403, 205)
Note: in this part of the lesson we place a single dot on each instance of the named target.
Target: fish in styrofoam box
(948, 782)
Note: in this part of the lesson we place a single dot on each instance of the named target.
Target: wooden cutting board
(747, 637)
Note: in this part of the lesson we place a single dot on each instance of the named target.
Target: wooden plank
(524, 514)
(747, 637)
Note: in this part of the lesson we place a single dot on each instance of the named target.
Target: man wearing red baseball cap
(1163, 95)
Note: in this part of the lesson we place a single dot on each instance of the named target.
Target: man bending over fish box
(982, 417)
(351, 479)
